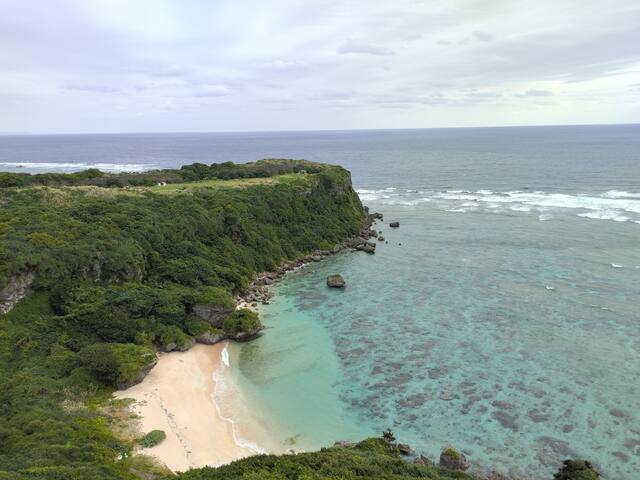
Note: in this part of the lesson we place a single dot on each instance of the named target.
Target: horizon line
(187, 132)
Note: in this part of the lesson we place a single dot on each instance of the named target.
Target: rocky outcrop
(576, 470)
(367, 247)
(404, 449)
(214, 314)
(209, 338)
(180, 347)
(15, 290)
(422, 460)
(452, 459)
(139, 376)
(335, 281)
(344, 444)
(495, 476)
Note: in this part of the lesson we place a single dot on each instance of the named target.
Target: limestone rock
(15, 290)
(422, 460)
(214, 314)
(335, 281)
(576, 470)
(209, 338)
(452, 459)
(343, 444)
(404, 449)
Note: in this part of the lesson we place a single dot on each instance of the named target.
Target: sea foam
(76, 166)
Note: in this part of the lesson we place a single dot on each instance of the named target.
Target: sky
(75, 66)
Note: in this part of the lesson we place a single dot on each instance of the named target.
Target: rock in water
(404, 449)
(344, 444)
(452, 459)
(335, 281)
(422, 460)
(576, 470)
(394, 224)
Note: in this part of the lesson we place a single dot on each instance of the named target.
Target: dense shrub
(151, 439)
(242, 320)
(371, 459)
(576, 470)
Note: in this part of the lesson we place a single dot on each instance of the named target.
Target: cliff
(98, 271)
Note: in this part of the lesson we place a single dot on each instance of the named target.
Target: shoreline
(177, 394)
(178, 397)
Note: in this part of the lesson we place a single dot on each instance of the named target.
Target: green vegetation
(371, 459)
(254, 171)
(451, 453)
(151, 439)
(242, 320)
(576, 470)
(118, 273)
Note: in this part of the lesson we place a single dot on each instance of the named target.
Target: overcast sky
(208, 65)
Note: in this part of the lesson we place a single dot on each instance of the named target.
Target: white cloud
(354, 46)
(200, 65)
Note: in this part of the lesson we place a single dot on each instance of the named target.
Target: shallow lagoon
(507, 333)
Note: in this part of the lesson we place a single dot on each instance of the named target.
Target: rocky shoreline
(258, 292)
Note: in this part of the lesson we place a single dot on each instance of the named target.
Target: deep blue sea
(503, 316)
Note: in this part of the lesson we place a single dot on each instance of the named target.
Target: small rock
(496, 476)
(343, 444)
(394, 224)
(404, 449)
(452, 459)
(335, 281)
(422, 460)
(381, 238)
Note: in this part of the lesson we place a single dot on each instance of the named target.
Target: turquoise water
(508, 333)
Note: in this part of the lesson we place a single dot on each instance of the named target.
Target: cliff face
(15, 290)
(108, 275)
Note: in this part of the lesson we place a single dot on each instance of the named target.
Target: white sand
(177, 397)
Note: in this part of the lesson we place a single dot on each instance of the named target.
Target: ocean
(502, 317)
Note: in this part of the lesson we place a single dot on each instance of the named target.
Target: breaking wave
(613, 205)
(76, 166)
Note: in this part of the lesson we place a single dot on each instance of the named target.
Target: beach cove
(178, 397)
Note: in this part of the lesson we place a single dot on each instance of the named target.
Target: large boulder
(452, 459)
(368, 247)
(422, 460)
(210, 337)
(335, 281)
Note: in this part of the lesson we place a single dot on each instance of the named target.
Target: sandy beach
(177, 397)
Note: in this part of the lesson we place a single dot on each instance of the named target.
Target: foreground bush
(151, 439)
